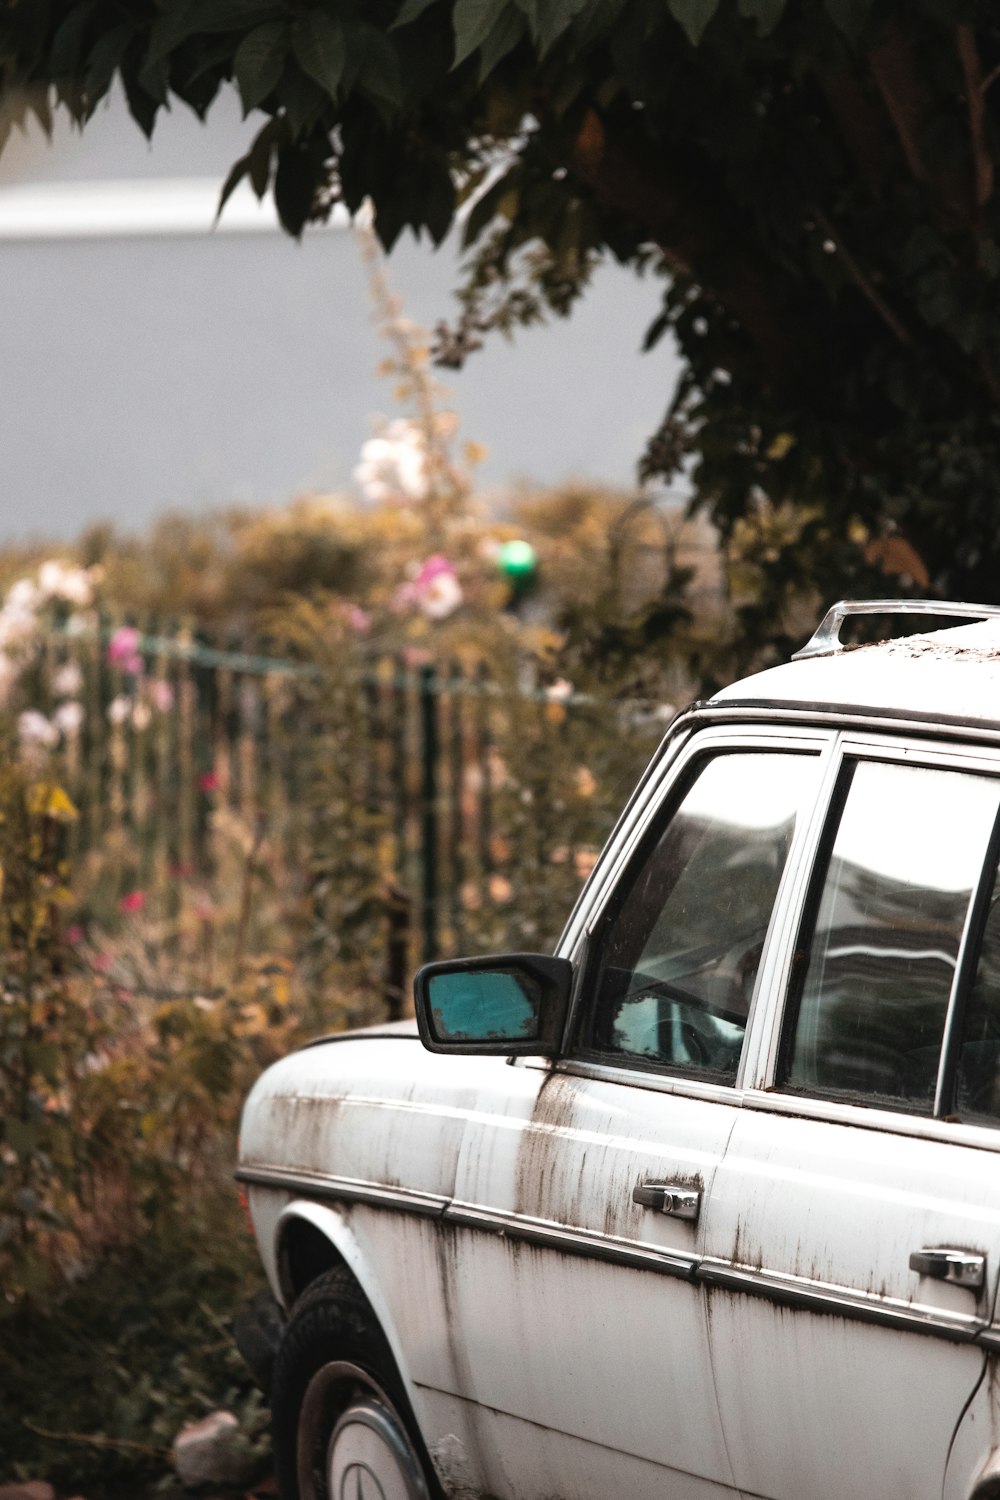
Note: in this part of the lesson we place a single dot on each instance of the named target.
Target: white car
(708, 1203)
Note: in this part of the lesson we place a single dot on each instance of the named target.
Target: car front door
(854, 1234)
(583, 1189)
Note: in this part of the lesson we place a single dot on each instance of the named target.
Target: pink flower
(358, 619)
(134, 901)
(74, 934)
(161, 694)
(123, 650)
(434, 589)
(208, 781)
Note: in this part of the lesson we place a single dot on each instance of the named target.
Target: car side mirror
(509, 1003)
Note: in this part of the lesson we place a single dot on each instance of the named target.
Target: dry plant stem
(446, 487)
(246, 894)
(97, 1440)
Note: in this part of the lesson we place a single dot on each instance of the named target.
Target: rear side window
(678, 953)
(878, 962)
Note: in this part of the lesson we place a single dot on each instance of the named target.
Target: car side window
(876, 965)
(678, 951)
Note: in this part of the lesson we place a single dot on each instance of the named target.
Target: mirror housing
(508, 1004)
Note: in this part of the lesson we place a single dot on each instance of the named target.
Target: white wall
(149, 363)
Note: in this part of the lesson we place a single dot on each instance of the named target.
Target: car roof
(951, 674)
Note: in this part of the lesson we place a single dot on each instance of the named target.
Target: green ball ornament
(517, 561)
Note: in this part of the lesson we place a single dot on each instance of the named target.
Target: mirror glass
(484, 1005)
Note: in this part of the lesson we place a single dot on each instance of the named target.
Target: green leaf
(103, 59)
(304, 102)
(595, 21)
(555, 17)
(694, 16)
(504, 37)
(474, 20)
(64, 57)
(410, 11)
(531, 11)
(439, 202)
(379, 74)
(140, 106)
(294, 187)
(259, 155)
(201, 17)
(320, 48)
(767, 13)
(259, 63)
(237, 172)
(849, 16)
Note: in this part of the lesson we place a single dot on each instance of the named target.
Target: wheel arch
(311, 1238)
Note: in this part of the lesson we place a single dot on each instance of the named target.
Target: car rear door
(853, 1237)
(583, 1189)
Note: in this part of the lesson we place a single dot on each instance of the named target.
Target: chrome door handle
(668, 1198)
(960, 1267)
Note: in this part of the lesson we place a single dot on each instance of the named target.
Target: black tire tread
(331, 1319)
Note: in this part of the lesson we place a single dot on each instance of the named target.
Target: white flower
(394, 466)
(142, 716)
(67, 680)
(22, 595)
(59, 580)
(440, 596)
(68, 718)
(50, 578)
(120, 709)
(559, 691)
(34, 729)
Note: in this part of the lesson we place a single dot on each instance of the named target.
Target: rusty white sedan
(707, 1203)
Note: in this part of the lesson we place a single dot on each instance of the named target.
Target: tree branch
(975, 97)
(907, 103)
(860, 122)
(902, 95)
(675, 204)
(864, 282)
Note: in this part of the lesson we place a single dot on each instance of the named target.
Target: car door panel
(856, 1367)
(576, 1309)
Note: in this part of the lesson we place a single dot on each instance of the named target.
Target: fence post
(429, 812)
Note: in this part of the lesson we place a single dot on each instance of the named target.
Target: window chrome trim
(873, 1117)
(632, 1076)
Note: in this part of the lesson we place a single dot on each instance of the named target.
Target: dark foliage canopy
(814, 180)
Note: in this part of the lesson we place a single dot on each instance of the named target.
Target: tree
(814, 181)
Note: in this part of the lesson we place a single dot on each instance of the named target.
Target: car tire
(341, 1423)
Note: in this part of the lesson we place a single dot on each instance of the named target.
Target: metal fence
(472, 787)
